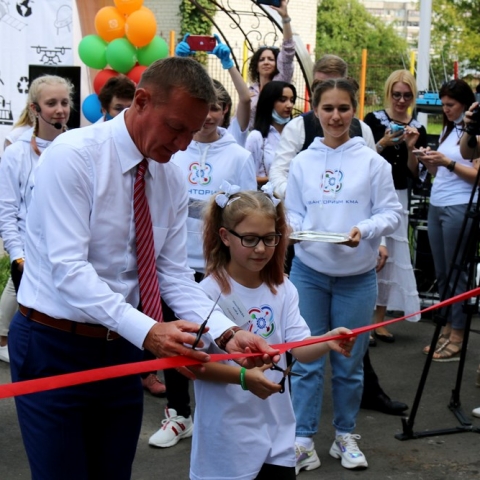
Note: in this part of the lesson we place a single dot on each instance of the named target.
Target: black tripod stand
(463, 261)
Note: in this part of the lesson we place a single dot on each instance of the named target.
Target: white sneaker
(476, 412)
(346, 448)
(306, 459)
(174, 428)
(4, 356)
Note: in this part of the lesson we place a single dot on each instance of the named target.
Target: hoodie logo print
(261, 321)
(200, 175)
(332, 181)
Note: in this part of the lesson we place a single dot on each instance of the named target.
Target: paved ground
(399, 366)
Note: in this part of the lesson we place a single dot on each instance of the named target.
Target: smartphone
(201, 43)
(395, 128)
(420, 153)
(273, 3)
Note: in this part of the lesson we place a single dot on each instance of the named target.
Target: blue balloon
(91, 108)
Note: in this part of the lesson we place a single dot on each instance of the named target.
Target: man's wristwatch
(379, 148)
(226, 336)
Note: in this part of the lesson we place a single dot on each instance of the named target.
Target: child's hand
(259, 384)
(342, 345)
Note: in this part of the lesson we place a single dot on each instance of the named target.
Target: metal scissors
(204, 324)
(287, 372)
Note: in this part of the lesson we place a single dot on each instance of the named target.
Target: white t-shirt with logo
(235, 431)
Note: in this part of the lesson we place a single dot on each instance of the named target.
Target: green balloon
(92, 51)
(121, 55)
(155, 50)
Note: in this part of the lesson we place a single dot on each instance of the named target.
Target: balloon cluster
(126, 41)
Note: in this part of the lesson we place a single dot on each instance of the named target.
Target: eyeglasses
(251, 241)
(406, 96)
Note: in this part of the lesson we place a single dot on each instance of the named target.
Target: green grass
(4, 272)
(434, 128)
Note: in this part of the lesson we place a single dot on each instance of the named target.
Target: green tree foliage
(345, 27)
(195, 20)
(456, 32)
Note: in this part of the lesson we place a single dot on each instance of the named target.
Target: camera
(473, 128)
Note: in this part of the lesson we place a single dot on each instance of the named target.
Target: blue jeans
(325, 303)
(444, 226)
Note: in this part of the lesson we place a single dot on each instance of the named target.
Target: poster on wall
(32, 32)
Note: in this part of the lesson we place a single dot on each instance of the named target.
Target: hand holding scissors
(286, 373)
(204, 324)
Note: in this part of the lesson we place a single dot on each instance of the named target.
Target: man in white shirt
(79, 293)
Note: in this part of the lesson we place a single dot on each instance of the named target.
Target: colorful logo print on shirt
(332, 181)
(261, 321)
(200, 175)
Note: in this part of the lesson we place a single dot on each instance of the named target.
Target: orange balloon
(141, 27)
(127, 7)
(109, 23)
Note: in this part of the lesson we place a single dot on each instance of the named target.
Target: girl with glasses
(338, 185)
(244, 426)
(396, 281)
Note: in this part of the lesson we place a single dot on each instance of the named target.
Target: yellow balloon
(109, 24)
(127, 7)
(141, 27)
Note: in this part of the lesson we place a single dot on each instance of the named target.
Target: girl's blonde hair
(402, 76)
(240, 206)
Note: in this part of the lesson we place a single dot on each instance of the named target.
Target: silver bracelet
(286, 20)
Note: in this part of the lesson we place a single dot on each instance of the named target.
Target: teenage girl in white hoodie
(337, 185)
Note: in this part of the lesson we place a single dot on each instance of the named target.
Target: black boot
(374, 398)
(382, 403)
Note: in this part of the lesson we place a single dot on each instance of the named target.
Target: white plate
(311, 236)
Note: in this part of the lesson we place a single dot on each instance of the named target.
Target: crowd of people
(164, 229)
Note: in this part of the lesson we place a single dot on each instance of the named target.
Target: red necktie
(147, 270)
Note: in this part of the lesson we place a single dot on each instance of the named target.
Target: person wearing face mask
(274, 111)
(396, 281)
(451, 191)
(271, 63)
(116, 95)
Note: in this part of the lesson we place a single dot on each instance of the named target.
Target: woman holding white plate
(338, 185)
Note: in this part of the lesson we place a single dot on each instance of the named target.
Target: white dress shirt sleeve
(368, 136)
(291, 142)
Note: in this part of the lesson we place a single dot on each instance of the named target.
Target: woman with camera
(470, 143)
(396, 135)
(451, 191)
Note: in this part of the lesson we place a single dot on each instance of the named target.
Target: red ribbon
(94, 375)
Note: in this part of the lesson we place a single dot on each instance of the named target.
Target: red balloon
(136, 73)
(102, 77)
